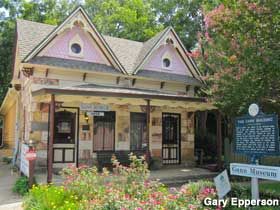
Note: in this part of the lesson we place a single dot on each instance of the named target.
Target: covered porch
(88, 124)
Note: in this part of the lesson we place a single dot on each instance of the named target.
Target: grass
(270, 186)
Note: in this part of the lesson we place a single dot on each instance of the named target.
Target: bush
(21, 185)
(125, 188)
(51, 197)
(7, 160)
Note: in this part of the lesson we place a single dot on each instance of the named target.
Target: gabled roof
(130, 55)
(153, 45)
(54, 32)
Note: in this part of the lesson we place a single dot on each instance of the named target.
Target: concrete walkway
(12, 206)
(176, 176)
(7, 180)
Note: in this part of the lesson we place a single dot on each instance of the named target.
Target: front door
(64, 137)
(171, 138)
(138, 131)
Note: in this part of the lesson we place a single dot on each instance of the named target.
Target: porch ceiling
(121, 96)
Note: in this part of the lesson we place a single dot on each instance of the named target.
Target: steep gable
(60, 47)
(169, 52)
(78, 20)
(169, 49)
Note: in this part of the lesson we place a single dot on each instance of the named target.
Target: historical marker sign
(257, 135)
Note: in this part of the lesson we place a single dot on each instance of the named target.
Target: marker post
(255, 182)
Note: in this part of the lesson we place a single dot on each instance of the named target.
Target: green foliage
(185, 17)
(124, 188)
(7, 160)
(238, 54)
(21, 185)
(51, 197)
(131, 19)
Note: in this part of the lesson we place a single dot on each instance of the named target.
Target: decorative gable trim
(69, 24)
(180, 49)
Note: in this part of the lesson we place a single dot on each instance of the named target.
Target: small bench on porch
(104, 158)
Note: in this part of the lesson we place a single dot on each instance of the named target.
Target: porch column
(148, 114)
(51, 138)
(219, 139)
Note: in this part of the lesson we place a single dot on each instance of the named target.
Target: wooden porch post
(219, 139)
(51, 139)
(148, 114)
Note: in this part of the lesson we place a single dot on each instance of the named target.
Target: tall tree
(241, 59)
(131, 19)
(185, 16)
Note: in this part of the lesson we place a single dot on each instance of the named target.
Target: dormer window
(76, 48)
(166, 62)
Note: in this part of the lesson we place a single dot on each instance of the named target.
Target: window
(166, 62)
(64, 127)
(104, 132)
(138, 131)
(76, 48)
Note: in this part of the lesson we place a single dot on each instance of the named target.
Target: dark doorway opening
(138, 131)
(171, 138)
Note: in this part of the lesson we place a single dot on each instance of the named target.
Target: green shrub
(21, 185)
(125, 188)
(45, 197)
(7, 160)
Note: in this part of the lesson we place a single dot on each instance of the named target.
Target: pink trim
(60, 47)
(177, 64)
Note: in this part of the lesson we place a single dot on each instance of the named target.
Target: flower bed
(125, 188)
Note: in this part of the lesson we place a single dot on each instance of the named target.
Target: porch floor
(176, 176)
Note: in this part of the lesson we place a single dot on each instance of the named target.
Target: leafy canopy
(239, 53)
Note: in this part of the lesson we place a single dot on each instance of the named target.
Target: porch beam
(118, 80)
(51, 138)
(162, 85)
(133, 82)
(116, 94)
(84, 76)
(47, 72)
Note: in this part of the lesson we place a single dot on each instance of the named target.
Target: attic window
(76, 48)
(166, 63)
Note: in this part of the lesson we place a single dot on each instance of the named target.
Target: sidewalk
(12, 206)
(7, 180)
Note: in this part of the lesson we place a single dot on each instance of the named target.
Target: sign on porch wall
(99, 114)
(94, 107)
(24, 163)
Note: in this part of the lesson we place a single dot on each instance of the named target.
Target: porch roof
(111, 91)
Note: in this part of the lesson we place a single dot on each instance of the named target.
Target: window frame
(94, 150)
